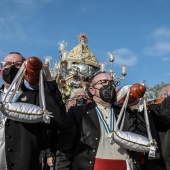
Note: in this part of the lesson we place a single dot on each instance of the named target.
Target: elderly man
(159, 115)
(84, 144)
(21, 143)
(78, 97)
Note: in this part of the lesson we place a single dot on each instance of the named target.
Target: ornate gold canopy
(82, 54)
(75, 67)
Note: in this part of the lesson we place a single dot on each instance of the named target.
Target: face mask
(107, 93)
(30, 87)
(80, 101)
(9, 74)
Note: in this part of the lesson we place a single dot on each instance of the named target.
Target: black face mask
(108, 93)
(80, 101)
(9, 74)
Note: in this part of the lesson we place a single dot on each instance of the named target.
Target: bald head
(165, 91)
(10, 66)
(14, 57)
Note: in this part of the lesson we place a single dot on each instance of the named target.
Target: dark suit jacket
(159, 116)
(24, 141)
(79, 142)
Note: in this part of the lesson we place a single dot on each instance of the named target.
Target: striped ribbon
(106, 126)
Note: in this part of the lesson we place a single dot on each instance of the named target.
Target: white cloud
(125, 56)
(28, 2)
(10, 28)
(166, 59)
(161, 33)
(16, 24)
(33, 2)
(161, 43)
(158, 49)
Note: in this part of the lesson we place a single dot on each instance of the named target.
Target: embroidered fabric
(2, 93)
(131, 140)
(25, 112)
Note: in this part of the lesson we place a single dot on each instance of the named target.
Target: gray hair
(164, 91)
(73, 94)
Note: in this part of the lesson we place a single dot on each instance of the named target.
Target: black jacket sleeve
(161, 111)
(67, 141)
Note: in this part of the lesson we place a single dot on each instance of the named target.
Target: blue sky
(138, 30)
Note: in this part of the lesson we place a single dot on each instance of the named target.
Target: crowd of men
(77, 136)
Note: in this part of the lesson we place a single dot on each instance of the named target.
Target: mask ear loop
(17, 79)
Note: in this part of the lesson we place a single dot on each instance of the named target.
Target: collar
(5, 89)
(101, 106)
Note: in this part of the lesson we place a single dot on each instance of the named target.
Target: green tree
(153, 92)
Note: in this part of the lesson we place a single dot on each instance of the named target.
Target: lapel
(93, 115)
(91, 111)
(28, 97)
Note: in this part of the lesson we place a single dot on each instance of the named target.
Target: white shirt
(105, 149)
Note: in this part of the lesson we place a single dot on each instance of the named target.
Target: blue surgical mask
(30, 87)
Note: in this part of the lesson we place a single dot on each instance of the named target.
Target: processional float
(73, 71)
(77, 65)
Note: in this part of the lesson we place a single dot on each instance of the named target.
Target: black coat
(159, 116)
(24, 141)
(78, 144)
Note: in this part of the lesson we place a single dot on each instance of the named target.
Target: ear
(0, 73)
(91, 90)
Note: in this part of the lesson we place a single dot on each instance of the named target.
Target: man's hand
(46, 71)
(50, 161)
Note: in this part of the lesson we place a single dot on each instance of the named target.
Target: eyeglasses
(7, 64)
(105, 82)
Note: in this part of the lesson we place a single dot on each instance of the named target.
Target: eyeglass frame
(105, 83)
(79, 96)
(11, 63)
